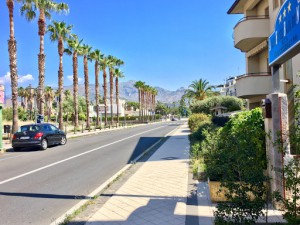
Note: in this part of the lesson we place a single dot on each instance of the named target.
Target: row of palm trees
(147, 100)
(60, 32)
(29, 98)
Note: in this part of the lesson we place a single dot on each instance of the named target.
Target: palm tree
(97, 56)
(85, 51)
(118, 74)
(60, 32)
(49, 97)
(12, 49)
(139, 85)
(114, 62)
(111, 65)
(45, 7)
(147, 89)
(198, 90)
(21, 93)
(30, 100)
(103, 64)
(74, 47)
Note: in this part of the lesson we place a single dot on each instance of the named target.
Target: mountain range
(128, 92)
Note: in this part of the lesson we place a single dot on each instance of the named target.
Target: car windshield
(32, 128)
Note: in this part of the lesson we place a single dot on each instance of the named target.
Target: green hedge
(197, 120)
(230, 102)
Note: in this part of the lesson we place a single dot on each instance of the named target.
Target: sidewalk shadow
(143, 144)
(159, 210)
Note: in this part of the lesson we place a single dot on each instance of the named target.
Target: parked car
(38, 135)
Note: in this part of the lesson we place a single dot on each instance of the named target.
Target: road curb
(107, 183)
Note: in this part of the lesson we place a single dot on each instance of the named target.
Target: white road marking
(73, 157)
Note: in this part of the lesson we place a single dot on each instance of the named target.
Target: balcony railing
(251, 31)
(253, 84)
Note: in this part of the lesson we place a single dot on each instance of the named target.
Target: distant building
(229, 88)
(93, 109)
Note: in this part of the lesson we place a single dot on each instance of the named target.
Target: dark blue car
(39, 135)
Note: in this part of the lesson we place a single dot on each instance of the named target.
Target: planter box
(215, 194)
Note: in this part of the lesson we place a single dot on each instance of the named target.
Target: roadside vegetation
(231, 150)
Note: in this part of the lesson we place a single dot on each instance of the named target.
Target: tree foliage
(230, 102)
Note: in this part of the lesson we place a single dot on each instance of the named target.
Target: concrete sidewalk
(157, 193)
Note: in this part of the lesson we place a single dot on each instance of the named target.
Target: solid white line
(73, 157)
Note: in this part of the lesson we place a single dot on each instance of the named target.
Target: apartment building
(229, 88)
(267, 25)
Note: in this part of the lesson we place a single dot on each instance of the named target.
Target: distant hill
(130, 93)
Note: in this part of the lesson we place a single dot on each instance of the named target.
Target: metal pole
(125, 114)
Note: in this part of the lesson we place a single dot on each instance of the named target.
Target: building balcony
(253, 85)
(251, 31)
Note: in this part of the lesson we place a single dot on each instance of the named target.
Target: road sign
(284, 43)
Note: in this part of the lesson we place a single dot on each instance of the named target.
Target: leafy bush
(197, 120)
(237, 156)
(230, 102)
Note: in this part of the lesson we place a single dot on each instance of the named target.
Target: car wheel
(16, 149)
(44, 144)
(63, 140)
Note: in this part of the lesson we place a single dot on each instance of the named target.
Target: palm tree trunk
(41, 59)
(60, 93)
(60, 83)
(12, 49)
(117, 98)
(105, 95)
(97, 91)
(111, 82)
(86, 84)
(75, 88)
(140, 105)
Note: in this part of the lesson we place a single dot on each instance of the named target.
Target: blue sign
(284, 43)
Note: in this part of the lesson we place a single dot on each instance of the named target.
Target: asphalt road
(37, 187)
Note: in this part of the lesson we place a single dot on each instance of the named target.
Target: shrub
(239, 156)
(196, 120)
(230, 102)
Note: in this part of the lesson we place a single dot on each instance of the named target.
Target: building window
(275, 4)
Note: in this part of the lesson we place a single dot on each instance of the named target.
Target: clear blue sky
(166, 43)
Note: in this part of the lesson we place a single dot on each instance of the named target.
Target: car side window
(53, 128)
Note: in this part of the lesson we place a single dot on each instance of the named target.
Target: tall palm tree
(118, 74)
(74, 46)
(139, 84)
(103, 64)
(12, 49)
(59, 32)
(111, 65)
(198, 90)
(97, 56)
(21, 93)
(30, 99)
(85, 51)
(147, 89)
(113, 62)
(45, 7)
(49, 97)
